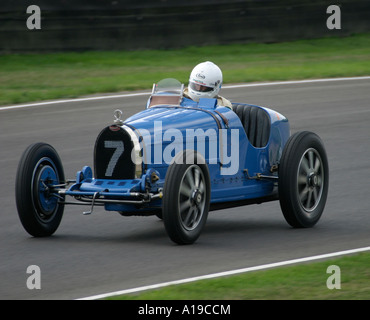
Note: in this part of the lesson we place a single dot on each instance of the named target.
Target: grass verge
(34, 77)
(298, 282)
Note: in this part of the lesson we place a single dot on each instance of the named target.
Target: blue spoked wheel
(39, 172)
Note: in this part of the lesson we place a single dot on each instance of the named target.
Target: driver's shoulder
(221, 101)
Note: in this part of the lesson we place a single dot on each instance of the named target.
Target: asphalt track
(105, 252)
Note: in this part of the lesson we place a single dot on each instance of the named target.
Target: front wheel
(39, 170)
(303, 179)
(186, 197)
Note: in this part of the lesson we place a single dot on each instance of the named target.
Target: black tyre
(186, 197)
(159, 215)
(303, 179)
(39, 209)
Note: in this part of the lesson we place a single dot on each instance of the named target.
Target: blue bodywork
(238, 170)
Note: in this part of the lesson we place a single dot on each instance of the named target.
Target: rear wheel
(39, 210)
(303, 179)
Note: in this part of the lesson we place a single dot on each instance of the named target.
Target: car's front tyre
(39, 210)
(186, 198)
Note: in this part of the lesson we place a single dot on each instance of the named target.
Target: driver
(205, 82)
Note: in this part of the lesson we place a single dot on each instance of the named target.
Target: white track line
(74, 100)
(226, 273)
(125, 95)
(294, 82)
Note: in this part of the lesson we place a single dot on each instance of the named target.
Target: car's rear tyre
(38, 206)
(303, 179)
(186, 197)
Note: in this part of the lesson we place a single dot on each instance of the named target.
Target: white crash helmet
(205, 81)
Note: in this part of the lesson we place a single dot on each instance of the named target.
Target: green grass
(297, 282)
(33, 77)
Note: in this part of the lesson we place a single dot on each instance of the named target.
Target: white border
(226, 273)
(125, 95)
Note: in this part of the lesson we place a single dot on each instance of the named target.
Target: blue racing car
(179, 159)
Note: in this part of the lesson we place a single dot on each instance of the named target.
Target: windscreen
(168, 86)
(166, 92)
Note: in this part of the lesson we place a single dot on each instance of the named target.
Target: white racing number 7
(118, 145)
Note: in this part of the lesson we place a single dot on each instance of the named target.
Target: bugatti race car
(179, 159)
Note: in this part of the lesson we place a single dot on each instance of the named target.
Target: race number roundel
(112, 154)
